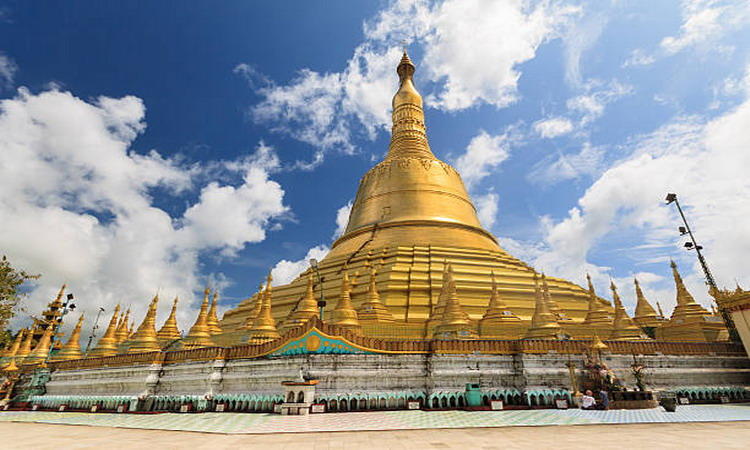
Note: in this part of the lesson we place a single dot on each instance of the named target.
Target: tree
(11, 294)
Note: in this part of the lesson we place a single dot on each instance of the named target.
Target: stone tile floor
(233, 423)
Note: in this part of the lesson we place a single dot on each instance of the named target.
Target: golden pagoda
(690, 321)
(10, 355)
(306, 309)
(499, 321)
(543, 324)
(213, 319)
(645, 315)
(107, 345)
(411, 215)
(454, 322)
(373, 310)
(144, 340)
(597, 315)
(51, 315)
(169, 331)
(623, 327)
(264, 326)
(122, 333)
(72, 348)
(41, 351)
(25, 348)
(200, 334)
(344, 315)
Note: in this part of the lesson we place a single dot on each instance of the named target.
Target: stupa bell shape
(25, 348)
(10, 354)
(344, 315)
(144, 340)
(454, 323)
(213, 318)
(169, 331)
(72, 348)
(623, 327)
(200, 334)
(306, 309)
(107, 345)
(41, 351)
(645, 314)
(544, 323)
(264, 326)
(597, 314)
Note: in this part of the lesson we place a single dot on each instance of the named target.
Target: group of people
(589, 402)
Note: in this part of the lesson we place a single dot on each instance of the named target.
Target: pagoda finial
(686, 306)
(72, 348)
(107, 345)
(144, 340)
(455, 322)
(213, 318)
(543, 323)
(25, 348)
(257, 302)
(122, 332)
(169, 331)
(344, 315)
(497, 313)
(596, 315)
(199, 334)
(408, 134)
(437, 311)
(373, 309)
(645, 315)
(306, 309)
(551, 303)
(264, 326)
(623, 327)
(60, 293)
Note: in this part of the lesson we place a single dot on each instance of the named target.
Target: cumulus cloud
(78, 204)
(487, 206)
(590, 106)
(327, 110)
(553, 127)
(286, 271)
(483, 154)
(342, 219)
(7, 71)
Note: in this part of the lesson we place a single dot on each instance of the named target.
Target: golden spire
(107, 345)
(597, 344)
(372, 309)
(306, 309)
(409, 134)
(122, 328)
(543, 323)
(497, 312)
(264, 326)
(344, 315)
(144, 340)
(200, 335)
(213, 319)
(25, 348)
(623, 327)
(257, 302)
(551, 303)
(437, 311)
(72, 348)
(645, 315)
(169, 331)
(686, 304)
(13, 349)
(41, 351)
(454, 323)
(58, 300)
(596, 314)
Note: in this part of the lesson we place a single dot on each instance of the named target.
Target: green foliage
(11, 295)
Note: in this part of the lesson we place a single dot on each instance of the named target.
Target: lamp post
(692, 244)
(93, 330)
(322, 301)
(67, 306)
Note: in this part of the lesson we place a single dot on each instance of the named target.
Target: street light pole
(693, 244)
(93, 330)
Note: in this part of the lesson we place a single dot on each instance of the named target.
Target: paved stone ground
(234, 423)
(724, 435)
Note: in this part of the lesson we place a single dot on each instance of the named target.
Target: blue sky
(161, 146)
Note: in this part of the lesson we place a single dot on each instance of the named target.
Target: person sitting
(604, 398)
(588, 401)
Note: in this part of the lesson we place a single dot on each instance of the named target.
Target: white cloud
(7, 71)
(590, 106)
(77, 204)
(578, 39)
(342, 219)
(588, 161)
(327, 110)
(286, 271)
(704, 21)
(487, 206)
(639, 58)
(553, 127)
(483, 154)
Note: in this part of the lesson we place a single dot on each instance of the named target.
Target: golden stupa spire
(344, 315)
(107, 345)
(686, 304)
(497, 313)
(437, 311)
(13, 349)
(254, 310)
(58, 300)
(306, 309)
(596, 314)
(169, 331)
(72, 348)
(264, 326)
(372, 309)
(645, 314)
(213, 318)
(199, 334)
(122, 332)
(25, 348)
(144, 340)
(623, 327)
(454, 323)
(543, 323)
(409, 134)
(551, 303)
(41, 351)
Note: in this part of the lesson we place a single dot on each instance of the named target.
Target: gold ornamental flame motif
(312, 343)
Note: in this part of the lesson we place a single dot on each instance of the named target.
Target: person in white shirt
(588, 401)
